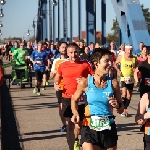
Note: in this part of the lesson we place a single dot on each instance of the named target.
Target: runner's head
(21, 45)
(101, 61)
(40, 44)
(63, 48)
(128, 49)
(148, 52)
(73, 52)
(144, 50)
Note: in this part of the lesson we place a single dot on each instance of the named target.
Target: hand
(119, 73)
(113, 102)
(75, 119)
(34, 62)
(57, 87)
(136, 84)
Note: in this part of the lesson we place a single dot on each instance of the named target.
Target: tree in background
(114, 36)
(146, 14)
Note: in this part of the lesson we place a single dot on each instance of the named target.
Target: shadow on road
(43, 138)
(128, 127)
(36, 106)
(42, 132)
(10, 136)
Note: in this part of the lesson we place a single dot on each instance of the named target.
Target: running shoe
(38, 93)
(35, 91)
(138, 89)
(47, 83)
(76, 145)
(125, 113)
(63, 129)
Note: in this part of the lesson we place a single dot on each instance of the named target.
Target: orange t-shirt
(70, 72)
(57, 63)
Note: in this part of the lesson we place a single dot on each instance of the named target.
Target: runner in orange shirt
(70, 71)
(63, 57)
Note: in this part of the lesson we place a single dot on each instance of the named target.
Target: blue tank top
(97, 98)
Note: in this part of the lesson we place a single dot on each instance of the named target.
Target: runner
(140, 59)
(20, 55)
(100, 90)
(56, 63)
(70, 71)
(144, 69)
(46, 73)
(126, 72)
(143, 118)
(38, 59)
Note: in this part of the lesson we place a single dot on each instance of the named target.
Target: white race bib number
(39, 63)
(128, 80)
(99, 123)
(147, 81)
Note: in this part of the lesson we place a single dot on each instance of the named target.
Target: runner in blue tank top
(99, 129)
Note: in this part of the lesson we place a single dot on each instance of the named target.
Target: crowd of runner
(87, 86)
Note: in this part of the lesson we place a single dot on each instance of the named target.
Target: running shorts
(146, 141)
(38, 75)
(128, 86)
(68, 112)
(59, 96)
(103, 139)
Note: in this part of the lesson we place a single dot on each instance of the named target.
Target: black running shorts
(103, 139)
(128, 86)
(38, 75)
(68, 112)
(146, 141)
(59, 96)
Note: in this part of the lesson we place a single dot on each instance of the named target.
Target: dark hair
(73, 44)
(144, 46)
(91, 43)
(63, 43)
(98, 53)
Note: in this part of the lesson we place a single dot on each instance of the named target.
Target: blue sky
(19, 14)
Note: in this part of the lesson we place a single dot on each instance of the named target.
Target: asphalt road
(31, 122)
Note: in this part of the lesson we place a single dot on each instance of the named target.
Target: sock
(38, 89)
(35, 87)
(124, 100)
(127, 103)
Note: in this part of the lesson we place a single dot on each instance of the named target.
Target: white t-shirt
(114, 51)
(120, 52)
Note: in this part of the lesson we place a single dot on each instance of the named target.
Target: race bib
(128, 80)
(81, 100)
(39, 63)
(99, 123)
(147, 81)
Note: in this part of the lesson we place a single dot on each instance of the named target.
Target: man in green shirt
(15, 47)
(20, 55)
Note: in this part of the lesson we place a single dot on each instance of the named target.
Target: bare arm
(117, 93)
(136, 74)
(82, 86)
(116, 64)
(141, 116)
(57, 78)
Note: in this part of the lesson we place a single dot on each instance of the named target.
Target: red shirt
(70, 72)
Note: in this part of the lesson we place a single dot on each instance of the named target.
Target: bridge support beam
(90, 21)
(103, 22)
(65, 20)
(131, 22)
